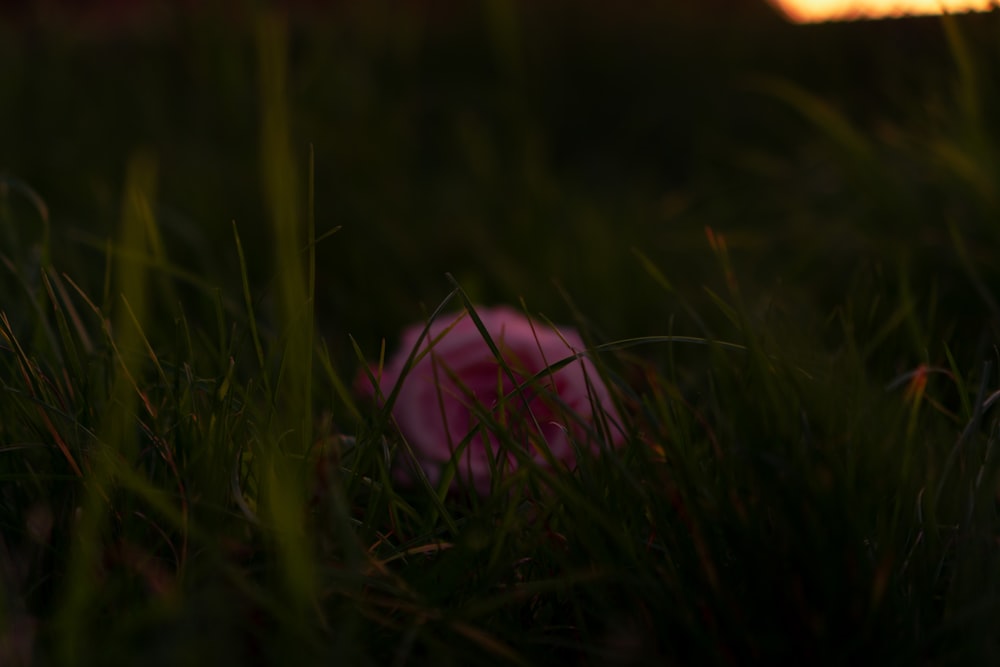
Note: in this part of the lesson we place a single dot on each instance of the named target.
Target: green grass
(780, 249)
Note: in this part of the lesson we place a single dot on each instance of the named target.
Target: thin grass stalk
(290, 436)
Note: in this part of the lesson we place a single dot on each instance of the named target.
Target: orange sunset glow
(810, 11)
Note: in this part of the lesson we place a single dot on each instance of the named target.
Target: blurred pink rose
(437, 403)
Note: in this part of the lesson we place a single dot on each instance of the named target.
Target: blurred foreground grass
(176, 361)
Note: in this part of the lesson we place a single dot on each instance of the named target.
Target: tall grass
(811, 468)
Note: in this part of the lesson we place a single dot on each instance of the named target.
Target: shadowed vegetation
(777, 240)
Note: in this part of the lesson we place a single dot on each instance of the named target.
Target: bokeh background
(528, 148)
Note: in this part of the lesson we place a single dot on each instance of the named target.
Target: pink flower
(458, 387)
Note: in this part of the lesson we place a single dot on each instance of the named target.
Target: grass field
(779, 241)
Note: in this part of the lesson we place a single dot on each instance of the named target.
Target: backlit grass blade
(117, 435)
(284, 447)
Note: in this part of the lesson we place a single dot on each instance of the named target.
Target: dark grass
(777, 240)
